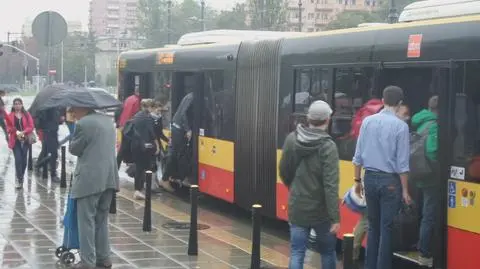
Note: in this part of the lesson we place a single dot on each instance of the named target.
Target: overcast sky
(14, 12)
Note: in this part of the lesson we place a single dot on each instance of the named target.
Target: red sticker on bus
(414, 46)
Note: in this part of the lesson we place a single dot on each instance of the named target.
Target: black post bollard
(147, 215)
(63, 172)
(348, 251)
(113, 204)
(193, 237)
(30, 158)
(256, 223)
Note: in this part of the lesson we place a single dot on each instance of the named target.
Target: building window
(311, 16)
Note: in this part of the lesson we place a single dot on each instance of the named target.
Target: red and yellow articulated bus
(249, 95)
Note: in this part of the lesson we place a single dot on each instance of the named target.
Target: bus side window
(466, 134)
(352, 88)
(311, 84)
(162, 88)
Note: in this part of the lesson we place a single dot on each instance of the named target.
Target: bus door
(185, 83)
(128, 81)
(463, 170)
(420, 81)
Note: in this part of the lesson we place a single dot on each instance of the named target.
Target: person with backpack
(425, 122)
(130, 108)
(144, 144)
(309, 167)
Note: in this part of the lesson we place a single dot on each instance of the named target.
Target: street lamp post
(392, 12)
(202, 3)
(169, 22)
(30, 56)
(300, 15)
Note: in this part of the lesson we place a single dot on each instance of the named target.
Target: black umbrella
(81, 97)
(44, 95)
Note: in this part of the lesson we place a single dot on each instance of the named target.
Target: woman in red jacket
(19, 126)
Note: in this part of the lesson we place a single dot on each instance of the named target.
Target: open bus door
(183, 84)
(420, 81)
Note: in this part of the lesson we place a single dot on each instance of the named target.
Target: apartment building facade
(112, 17)
(316, 14)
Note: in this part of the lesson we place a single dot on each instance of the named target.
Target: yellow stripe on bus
(217, 153)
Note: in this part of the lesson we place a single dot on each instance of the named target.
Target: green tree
(185, 18)
(233, 19)
(268, 14)
(384, 8)
(350, 19)
(79, 52)
(152, 22)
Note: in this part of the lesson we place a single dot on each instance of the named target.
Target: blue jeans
(20, 153)
(431, 201)
(326, 242)
(383, 193)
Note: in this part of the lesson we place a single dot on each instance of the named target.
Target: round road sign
(49, 28)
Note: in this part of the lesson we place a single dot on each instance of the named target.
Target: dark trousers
(4, 127)
(20, 152)
(177, 148)
(383, 193)
(143, 162)
(140, 168)
(50, 145)
(431, 200)
(119, 159)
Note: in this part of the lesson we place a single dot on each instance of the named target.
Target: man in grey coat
(94, 183)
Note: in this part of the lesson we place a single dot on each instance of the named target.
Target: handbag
(31, 138)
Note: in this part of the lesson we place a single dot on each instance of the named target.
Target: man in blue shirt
(383, 150)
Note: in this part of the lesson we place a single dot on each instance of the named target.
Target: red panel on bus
(462, 251)
(282, 201)
(216, 182)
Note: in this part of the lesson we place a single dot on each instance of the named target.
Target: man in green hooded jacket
(429, 187)
(309, 168)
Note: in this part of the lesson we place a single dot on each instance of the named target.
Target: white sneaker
(18, 185)
(138, 195)
(427, 262)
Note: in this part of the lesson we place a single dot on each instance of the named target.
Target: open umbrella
(81, 97)
(44, 95)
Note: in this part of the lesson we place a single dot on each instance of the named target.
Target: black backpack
(420, 165)
(127, 143)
